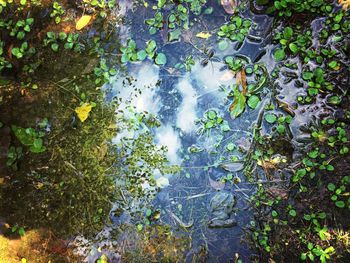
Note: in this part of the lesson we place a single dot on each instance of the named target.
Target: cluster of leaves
(31, 138)
(212, 120)
(18, 41)
(236, 30)
(57, 12)
(187, 64)
(292, 42)
(287, 8)
(103, 7)
(243, 92)
(103, 72)
(70, 41)
(130, 53)
(13, 156)
(18, 29)
(177, 18)
(316, 200)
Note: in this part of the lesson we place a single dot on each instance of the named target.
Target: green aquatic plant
(130, 53)
(291, 42)
(104, 72)
(187, 64)
(13, 156)
(212, 120)
(235, 64)
(287, 8)
(20, 28)
(23, 50)
(30, 137)
(57, 12)
(156, 23)
(236, 30)
(70, 41)
(340, 194)
(178, 18)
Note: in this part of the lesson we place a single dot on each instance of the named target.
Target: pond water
(179, 99)
(200, 127)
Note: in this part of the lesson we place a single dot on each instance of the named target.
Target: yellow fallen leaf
(345, 4)
(83, 111)
(82, 22)
(204, 35)
(23, 260)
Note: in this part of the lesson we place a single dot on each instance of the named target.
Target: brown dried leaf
(241, 80)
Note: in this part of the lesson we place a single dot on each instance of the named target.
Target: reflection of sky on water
(178, 100)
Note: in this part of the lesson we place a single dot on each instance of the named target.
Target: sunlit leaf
(345, 4)
(83, 111)
(229, 6)
(204, 35)
(82, 22)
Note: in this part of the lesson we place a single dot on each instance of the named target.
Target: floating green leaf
(270, 118)
(279, 54)
(161, 59)
(253, 101)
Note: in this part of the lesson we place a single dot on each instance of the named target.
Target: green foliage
(235, 64)
(212, 120)
(30, 137)
(130, 53)
(57, 12)
(238, 104)
(177, 19)
(13, 156)
(55, 39)
(103, 72)
(236, 30)
(292, 42)
(187, 65)
(160, 59)
(19, 230)
(289, 7)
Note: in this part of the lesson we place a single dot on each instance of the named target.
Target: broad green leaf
(279, 54)
(270, 118)
(141, 55)
(161, 59)
(253, 101)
